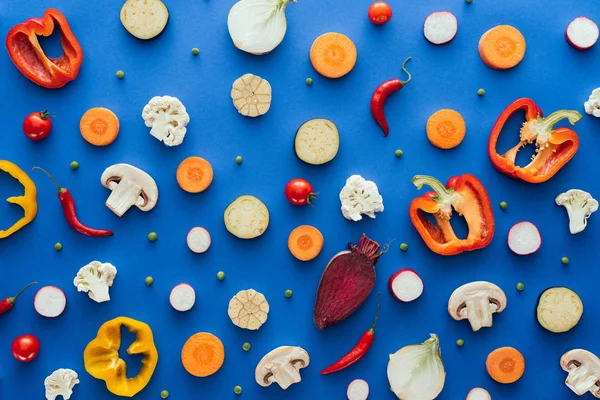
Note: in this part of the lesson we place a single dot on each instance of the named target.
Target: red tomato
(299, 192)
(380, 12)
(25, 348)
(37, 125)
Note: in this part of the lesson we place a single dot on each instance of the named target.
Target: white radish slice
(198, 240)
(182, 297)
(478, 394)
(50, 301)
(358, 389)
(144, 19)
(582, 33)
(440, 27)
(405, 285)
(524, 238)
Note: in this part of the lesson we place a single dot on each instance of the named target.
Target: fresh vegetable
(282, 365)
(288, 293)
(37, 125)
(194, 174)
(580, 205)
(300, 192)
(358, 389)
(305, 242)
(149, 280)
(153, 236)
(380, 12)
(28, 56)
(238, 160)
(317, 141)
(382, 93)
(27, 201)
(198, 240)
(346, 282)
(168, 119)
(360, 197)
(309, 81)
(251, 94)
(460, 342)
(505, 365)
(481, 92)
(50, 302)
(9, 302)
(182, 297)
(520, 286)
(440, 27)
(246, 217)
(25, 348)
(246, 346)
(60, 383)
(405, 285)
(220, 275)
(358, 351)
(584, 371)
(120, 74)
(524, 238)
(582, 33)
(446, 129)
(503, 205)
(477, 301)
(144, 19)
(95, 278)
(99, 126)
(398, 153)
(464, 194)
(58, 246)
(130, 186)
(195, 51)
(554, 147)
(592, 106)
(101, 356)
(164, 394)
(559, 309)
(478, 394)
(74, 165)
(237, 390)
(68, 206)
(333, 55)
(417, 372)
(502, 47)
(258, 26)
(403, 246)
(564, 260)
(248, 309)
(202, 354)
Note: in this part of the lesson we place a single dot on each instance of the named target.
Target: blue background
(552, 73)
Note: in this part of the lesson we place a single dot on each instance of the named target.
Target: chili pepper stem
(60, 189)
(403, 83)
(372, 329)
(444, 197)
(13, 299)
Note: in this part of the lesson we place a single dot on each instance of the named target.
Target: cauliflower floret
(592, 106)
(95, 279)
(580, 205)
(168, 119)
(360, 196)
(61, 383)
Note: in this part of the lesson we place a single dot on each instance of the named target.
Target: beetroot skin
(346, 282)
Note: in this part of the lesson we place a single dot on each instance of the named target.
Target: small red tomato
(25, 348)
(37, 125)
(380, 12)
(299, 192)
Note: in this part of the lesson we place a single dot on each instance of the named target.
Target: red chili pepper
(358, 351)
(8, 303)
(381, 95)
(68, 205)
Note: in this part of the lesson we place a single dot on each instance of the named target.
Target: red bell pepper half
(29, 57)
(464, 194)
(554, 147)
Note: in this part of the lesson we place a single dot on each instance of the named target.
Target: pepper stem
(13, 299)
(444, 196)
(60, 189)
(372, 330)
(552, 119)
(406, 72)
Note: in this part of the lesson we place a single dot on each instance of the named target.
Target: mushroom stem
(479, 313)
(580, 380)
(124, 195)
(287, 375)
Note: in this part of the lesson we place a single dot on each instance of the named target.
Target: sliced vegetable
(299, 192)
(9, 302)
(333, 55)
(584, 371)
(99, 126)
(37, 125)
(60, 383)
(478, 394)
(317, 141)
(198, 240)
(559, 309)
(592, 105)
(144, 19)
(405, 285)
(246, 217)
(130, 186)
(25, 348)
(505, 365)
(182, 297)
(305, 242)
(446, 129)
(360, 197)
(282, 365)
(502, 47)
(524, 238)
(248, 309)
(203, 354)
(580, 205)
(380, 96)
(168, 119)
(96, 278)
(194, 174)
(358, 389)
(251, 94)
(477, 301)
(27, 201)
(50, 301)
(440, 27)
(380, 12)
(582, 33)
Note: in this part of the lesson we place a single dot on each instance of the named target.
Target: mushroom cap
(292, 354)
(468, 290)
(578, 357)
(112, 176)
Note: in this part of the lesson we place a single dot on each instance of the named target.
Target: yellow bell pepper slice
(28, 201)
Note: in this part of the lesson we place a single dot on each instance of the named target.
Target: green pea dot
(468, 1)
(120, 74)
(195, 51)
(238, 159)
(403, 247)
(58, 247)
(237, 390)
(164, 394)
(309, 81)
(481, 92)
(398, 153)
(564, 260)
(246, 346)
(220, 275)
(520, 286)
(149, 280)
(152, 236)
(460, 342)
(74, 165)
(503, 205)
(288, 293)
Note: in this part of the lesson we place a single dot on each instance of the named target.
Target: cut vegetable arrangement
(505, 365)
(317, 141)
(559, 309)
(524, 238)
(502, 47)
(99, 126)
(582, 33)
(477, 301)
(405, 285)
(440, 27)
(50, 302)
(478, 394)
(360, 197)
(182, 297)
(144, 19)
(358, 389)
(198, 240)
(282, 366)
(203, 354)
(246, 217)
(194, 174)
(584, 372)
(248, 309)
(333, 55)
(580, 206)
(251, 95)
(305, 242)
(446, 129)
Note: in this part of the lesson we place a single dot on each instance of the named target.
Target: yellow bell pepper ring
(101, 356)
(28, 201)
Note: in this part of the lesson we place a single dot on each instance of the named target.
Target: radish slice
(478, 394)
(405, 285)
(198, 240)
(524, 238)
(50, 301)
(358, 389)
(582, 33)
(182, 297)
(440, 27)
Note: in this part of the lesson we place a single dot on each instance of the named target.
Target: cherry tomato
(25, 348)
(37, 125)
(299, 192)
(380, 12)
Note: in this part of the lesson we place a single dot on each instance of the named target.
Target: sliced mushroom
(477, 301)
(130, 186)
(282, 365)
(584, 372)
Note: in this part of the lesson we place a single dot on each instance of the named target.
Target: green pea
(164, 394)
(246, 346)
(403, 247)
(238, 159)
(120, 74)
(288, 293)
(237, 390)
(564, 260)
(220, 275)
(195, 51)
(520, 286)
(481, 92)
(469, 1)
(58, 247)
(309, 81)
(460, 342)
(398, 153)
(503, 205)
(152, 236)
(74, 165)
(149, 280)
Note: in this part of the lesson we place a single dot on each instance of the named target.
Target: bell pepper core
(554, 147)
(468, 197)
(28, 201)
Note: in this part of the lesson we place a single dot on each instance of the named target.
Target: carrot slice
(194, 174)
(203, 354)
(305, 242)
(99, 126)
(505, 365)
(502, 47)
(333, 55)
(446, 129)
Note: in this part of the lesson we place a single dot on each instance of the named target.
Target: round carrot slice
(505, 365)
(333, 55)
(203, 354)
(305, 242)
(194, 174)
(446, 129)
(502, 47)
(99, 126)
